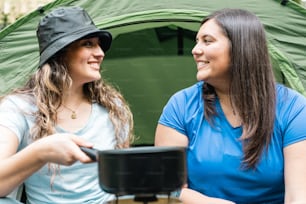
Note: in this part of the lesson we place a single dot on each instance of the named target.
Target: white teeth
(202, 64)
(95, 65)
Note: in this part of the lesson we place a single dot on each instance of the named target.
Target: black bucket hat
(63, 26)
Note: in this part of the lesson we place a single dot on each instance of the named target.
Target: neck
(226, 103)
(74, 105)
(224, 97)
(73, 97)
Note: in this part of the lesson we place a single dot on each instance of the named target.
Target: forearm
(295, 173)
(189, 196)
(17, 168)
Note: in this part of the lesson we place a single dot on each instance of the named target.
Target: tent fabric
(150, 57)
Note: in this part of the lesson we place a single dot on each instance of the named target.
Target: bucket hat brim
(104, 36)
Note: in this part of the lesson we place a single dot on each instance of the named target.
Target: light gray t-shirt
(75, 184)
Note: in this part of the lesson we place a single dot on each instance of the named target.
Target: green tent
(150, 58)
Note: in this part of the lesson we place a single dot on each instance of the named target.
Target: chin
(201, 78)
(92, 79)
(97, 77)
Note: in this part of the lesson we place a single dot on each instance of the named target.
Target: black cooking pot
(140, 170)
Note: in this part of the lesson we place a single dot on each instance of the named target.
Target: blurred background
(11, 10)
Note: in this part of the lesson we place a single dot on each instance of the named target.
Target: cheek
(225, 51)
(76, 60)
(76, 54)
(220, 53)
(224, 55)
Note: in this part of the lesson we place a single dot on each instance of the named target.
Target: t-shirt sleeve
(12, 116)
(173, 113)
(294, 119)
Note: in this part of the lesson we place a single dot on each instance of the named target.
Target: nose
(98, 52)
(196, 50)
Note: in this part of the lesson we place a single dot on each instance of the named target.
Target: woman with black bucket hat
(64, 105)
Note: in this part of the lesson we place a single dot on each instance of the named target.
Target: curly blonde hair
(47, 84)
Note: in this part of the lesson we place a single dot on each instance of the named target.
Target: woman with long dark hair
(245, 134)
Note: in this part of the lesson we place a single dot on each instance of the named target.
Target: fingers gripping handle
(91, 153)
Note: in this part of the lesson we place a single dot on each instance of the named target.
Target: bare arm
(166, 136)
(295, 173)
(16, 167)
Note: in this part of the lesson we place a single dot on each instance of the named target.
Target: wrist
(38, 152)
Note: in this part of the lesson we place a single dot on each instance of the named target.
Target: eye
(207, 41)
(88, 43)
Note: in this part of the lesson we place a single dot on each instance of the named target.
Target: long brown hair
(252, 88)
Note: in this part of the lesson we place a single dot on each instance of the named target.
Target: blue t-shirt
(75, 184)
(214, 154)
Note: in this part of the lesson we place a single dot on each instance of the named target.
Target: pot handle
(91, 153)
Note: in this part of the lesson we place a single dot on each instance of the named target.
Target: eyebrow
(204, 36)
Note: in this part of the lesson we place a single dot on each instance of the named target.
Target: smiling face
(211, 54)
(83, 59)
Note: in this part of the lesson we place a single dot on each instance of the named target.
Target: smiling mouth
(202, 64)
(95, 65)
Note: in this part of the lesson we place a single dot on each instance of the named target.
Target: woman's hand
(189, 196)
(62, 149)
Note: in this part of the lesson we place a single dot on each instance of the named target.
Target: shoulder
(290, 106)
(191, 92)
(290, 114)
(287, 97)
(18, 101)
(185, 102)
